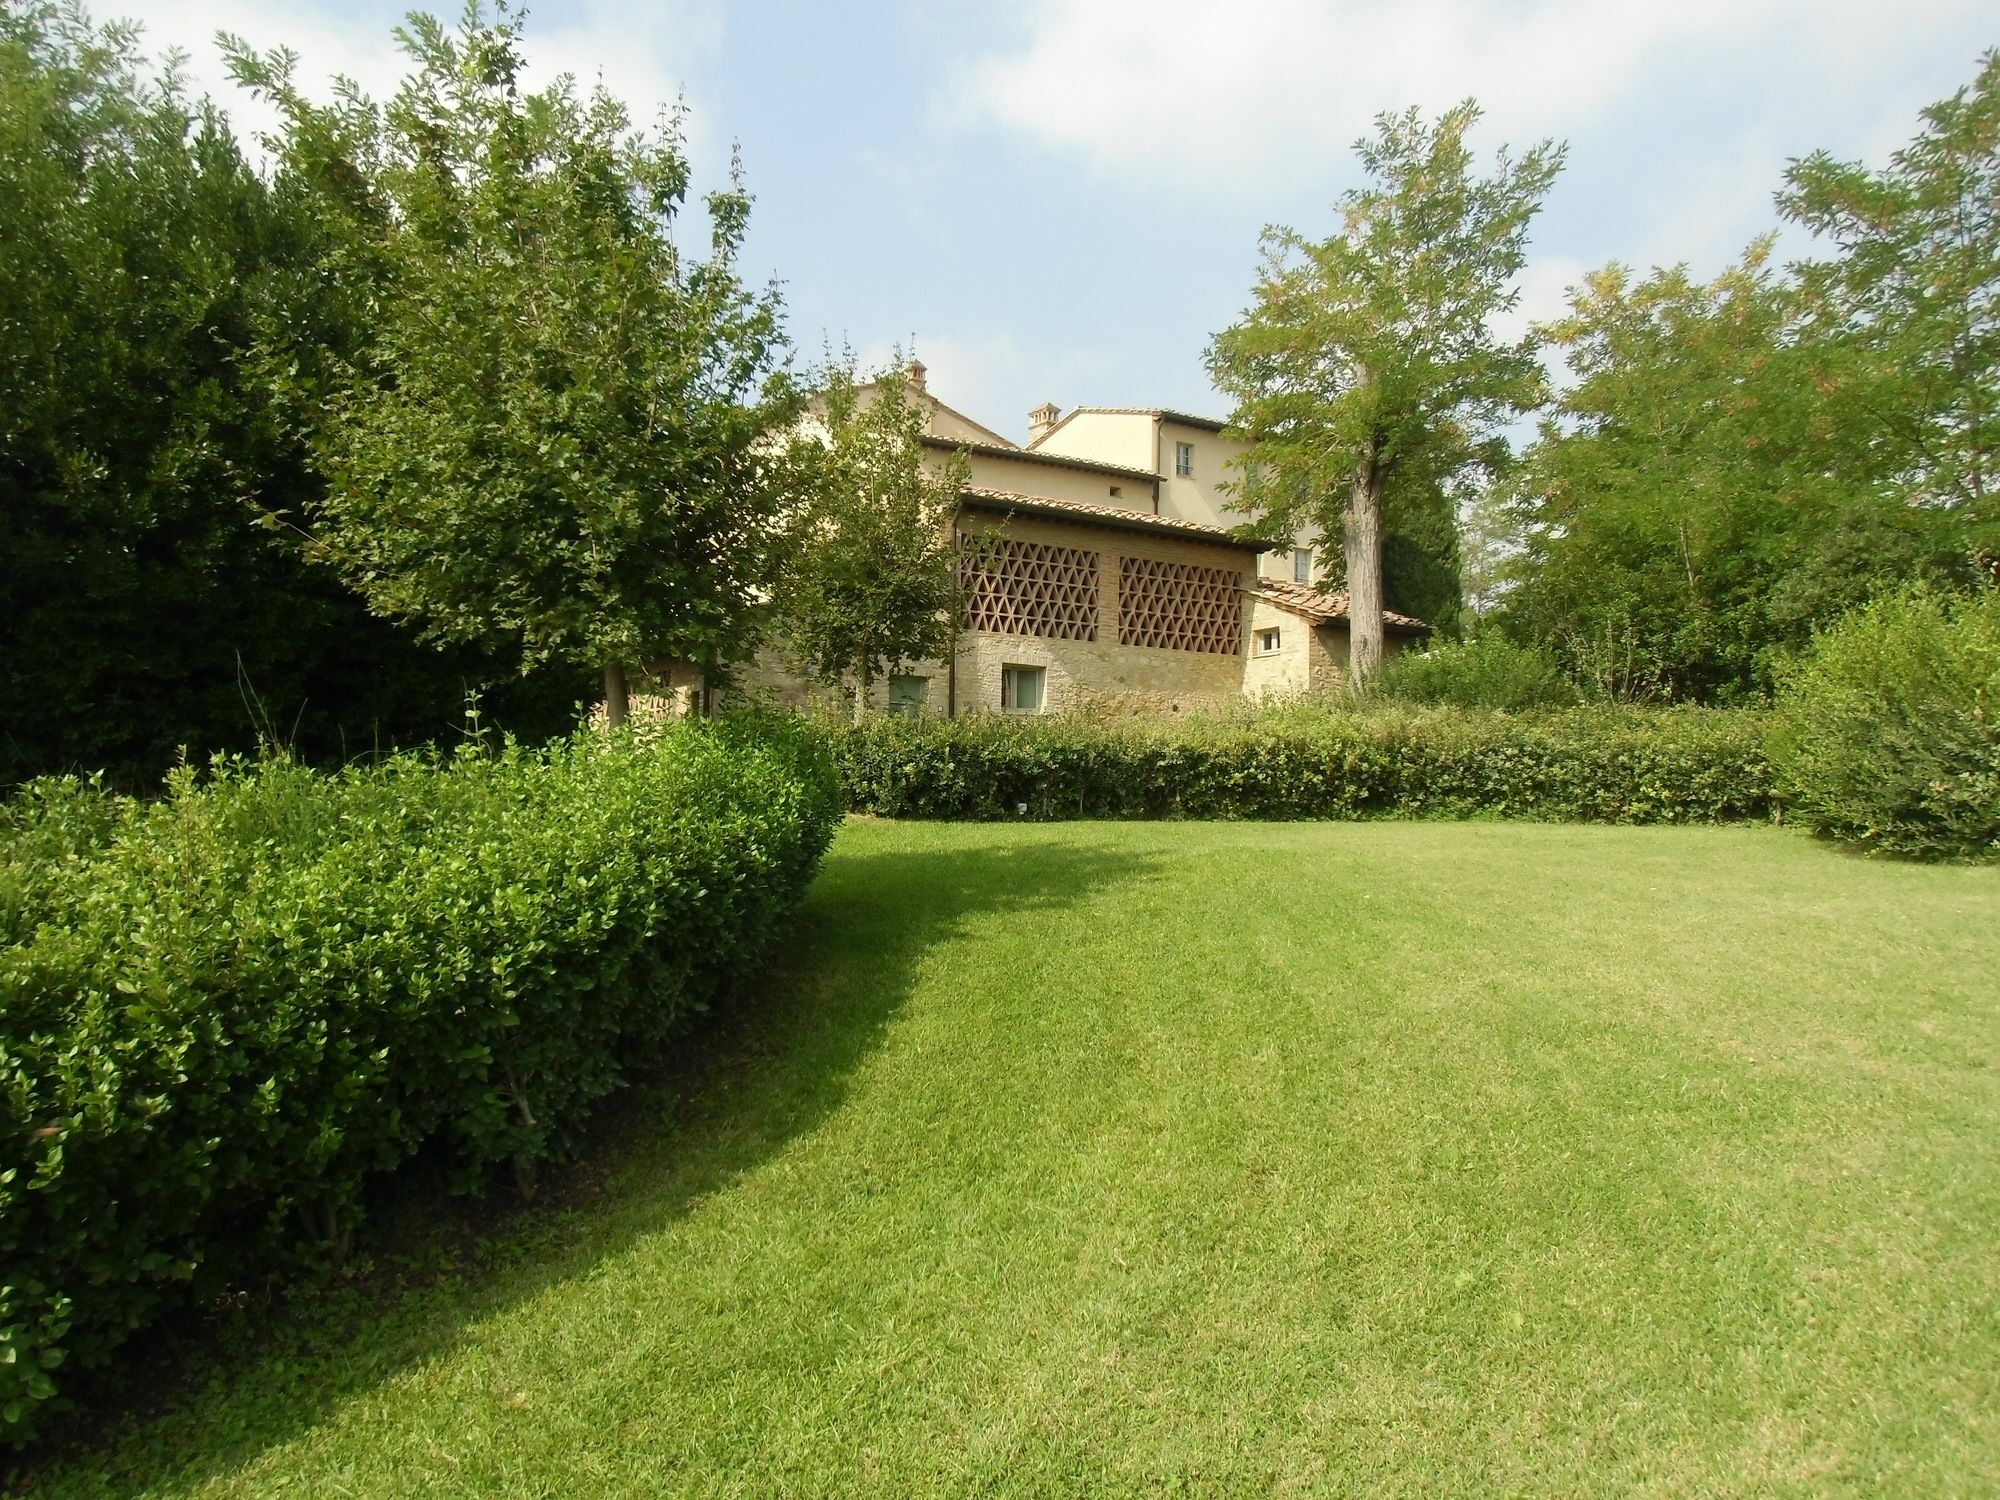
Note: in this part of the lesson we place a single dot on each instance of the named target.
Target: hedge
(1596, 765)
(225, 1011)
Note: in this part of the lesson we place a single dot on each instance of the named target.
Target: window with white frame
(1021, 689)
(1267, 642)
(1302, 565)
(1184, 460)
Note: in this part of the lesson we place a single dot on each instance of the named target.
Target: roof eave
(1142, 522)
(1031, 456)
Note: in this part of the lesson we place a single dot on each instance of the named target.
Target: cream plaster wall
(1106, 437)
(1060, 482)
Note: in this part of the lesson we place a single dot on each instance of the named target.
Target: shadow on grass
(734, 1093)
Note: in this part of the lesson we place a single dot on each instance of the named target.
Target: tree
(565, 435)
(873, 580)
(1366, 370)
(1912, 300)
(1737, 462)
(145, 610)
(1684, 463)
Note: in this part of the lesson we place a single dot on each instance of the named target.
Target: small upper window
(1021, 689)
(1184, 460)
(1267, 642)
(1302, 565)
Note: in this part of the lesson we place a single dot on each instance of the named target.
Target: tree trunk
(860, 695)
(617, 695)
(1362, 530)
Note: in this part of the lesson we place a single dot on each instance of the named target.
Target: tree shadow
(733, 1093)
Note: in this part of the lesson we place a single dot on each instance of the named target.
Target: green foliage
(1888, 734)
(1696, 504)
(565, 432)
(223, 1012)
(1911, 301)
(1739, 462)
(1488, 671)
(872, 575)
(140, 257)
(1595, 765)
(1366, 370)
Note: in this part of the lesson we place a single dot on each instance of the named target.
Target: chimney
(914, 373)
(1042, 421)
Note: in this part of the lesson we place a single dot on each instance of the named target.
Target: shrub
(1887, 734)
(222, 1013)
(1624, 766)
(1486, 672)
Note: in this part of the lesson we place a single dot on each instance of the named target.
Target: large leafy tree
(874, 574)
(1686, 463)
(1366, 370)
(1736, 462)
(1911, 301)
(565, 434)
(144, 610)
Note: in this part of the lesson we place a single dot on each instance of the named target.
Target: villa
(1113, 575)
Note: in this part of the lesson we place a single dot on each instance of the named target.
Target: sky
(1060, 200)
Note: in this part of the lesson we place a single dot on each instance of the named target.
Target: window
(1184, 460)
(1302, 565)
(907, 694)
(1267, 642)
(1021, 689)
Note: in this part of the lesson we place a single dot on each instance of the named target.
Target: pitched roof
(1028, 455)
(1207, 424)
(1106, 515)
(999, 440)
(1323, 607)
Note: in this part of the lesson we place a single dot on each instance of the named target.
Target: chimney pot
(1042, 421)
(914, 373)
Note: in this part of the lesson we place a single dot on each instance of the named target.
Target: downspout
(1158, 463)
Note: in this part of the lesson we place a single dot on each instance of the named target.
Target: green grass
(1423, 1158)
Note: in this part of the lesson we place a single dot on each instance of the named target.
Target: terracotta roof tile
(1186, 419)
(1322, 607)
(1135, 520)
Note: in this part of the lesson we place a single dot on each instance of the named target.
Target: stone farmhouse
(1110, 576)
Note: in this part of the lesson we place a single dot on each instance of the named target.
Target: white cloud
(1239, 96)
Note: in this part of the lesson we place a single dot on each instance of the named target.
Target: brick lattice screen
(1031, 588)
(1181, 606)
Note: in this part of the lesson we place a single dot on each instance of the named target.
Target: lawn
(1424, 1158)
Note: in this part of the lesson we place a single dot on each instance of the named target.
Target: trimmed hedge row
(1596, 765)
(223, 1012)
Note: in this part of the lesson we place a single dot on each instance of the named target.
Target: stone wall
(1102, 672)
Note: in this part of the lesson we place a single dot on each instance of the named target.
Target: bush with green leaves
(1887, 734)
(225, 1011)
(1599, 765)
(1488, 671)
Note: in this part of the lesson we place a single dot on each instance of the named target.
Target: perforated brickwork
(1031, 588)
(1181, 606)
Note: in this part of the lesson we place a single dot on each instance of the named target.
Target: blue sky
(1061, 201)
